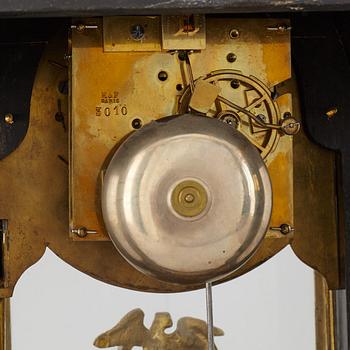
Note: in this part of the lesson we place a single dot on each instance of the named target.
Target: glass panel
(271, 308)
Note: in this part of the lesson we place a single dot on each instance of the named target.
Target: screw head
(80, 27)
(182, 55)
(162, 75)
(231, 57)
(231, 120)
(136, 123)
(290, 126)
(63, 87)
(283, 28)
(80, 232)
(234, 33)
(262, 117)
(331, 113)
(235, 83)
(229, 117)
(189, 198)
(287, 115)
(59, 117)
(285, 229)
(137, 32)
(179, 87)
(9, 119)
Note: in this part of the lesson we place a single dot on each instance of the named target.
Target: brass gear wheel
(250, 97)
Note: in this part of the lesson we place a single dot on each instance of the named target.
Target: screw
(182, 55)
(281, 28)
(59, 117)
(262, 117)
(189, 198)
(179, 87)
(9, 119)
(284, 229)
(332, 112)
(231, 57)
(289, 125)
(63, 87)
(234, 33)
(136, 123)
(235, 83)
(162, 75)
(82, 232)
(137, 32)
(231, 120)
(81, 27)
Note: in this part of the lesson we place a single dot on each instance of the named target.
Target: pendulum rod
(210, 322)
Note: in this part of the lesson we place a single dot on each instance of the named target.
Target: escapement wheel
(246, 104)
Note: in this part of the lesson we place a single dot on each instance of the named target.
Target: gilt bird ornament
(190, 334)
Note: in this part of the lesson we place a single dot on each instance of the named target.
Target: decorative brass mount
(191, 333)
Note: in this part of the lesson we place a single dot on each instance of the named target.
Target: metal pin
(81, 27)
(332, 112)
(57, 64)
(284, 229)
(281, 28)
(82, 232)
(210, 322)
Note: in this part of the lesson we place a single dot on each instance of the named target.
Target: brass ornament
(130, 331)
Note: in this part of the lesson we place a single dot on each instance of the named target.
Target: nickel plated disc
(186, 199)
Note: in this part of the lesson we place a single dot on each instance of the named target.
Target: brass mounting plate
(118, 31)
(110, 90)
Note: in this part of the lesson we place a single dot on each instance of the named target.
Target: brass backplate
(111, 89)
